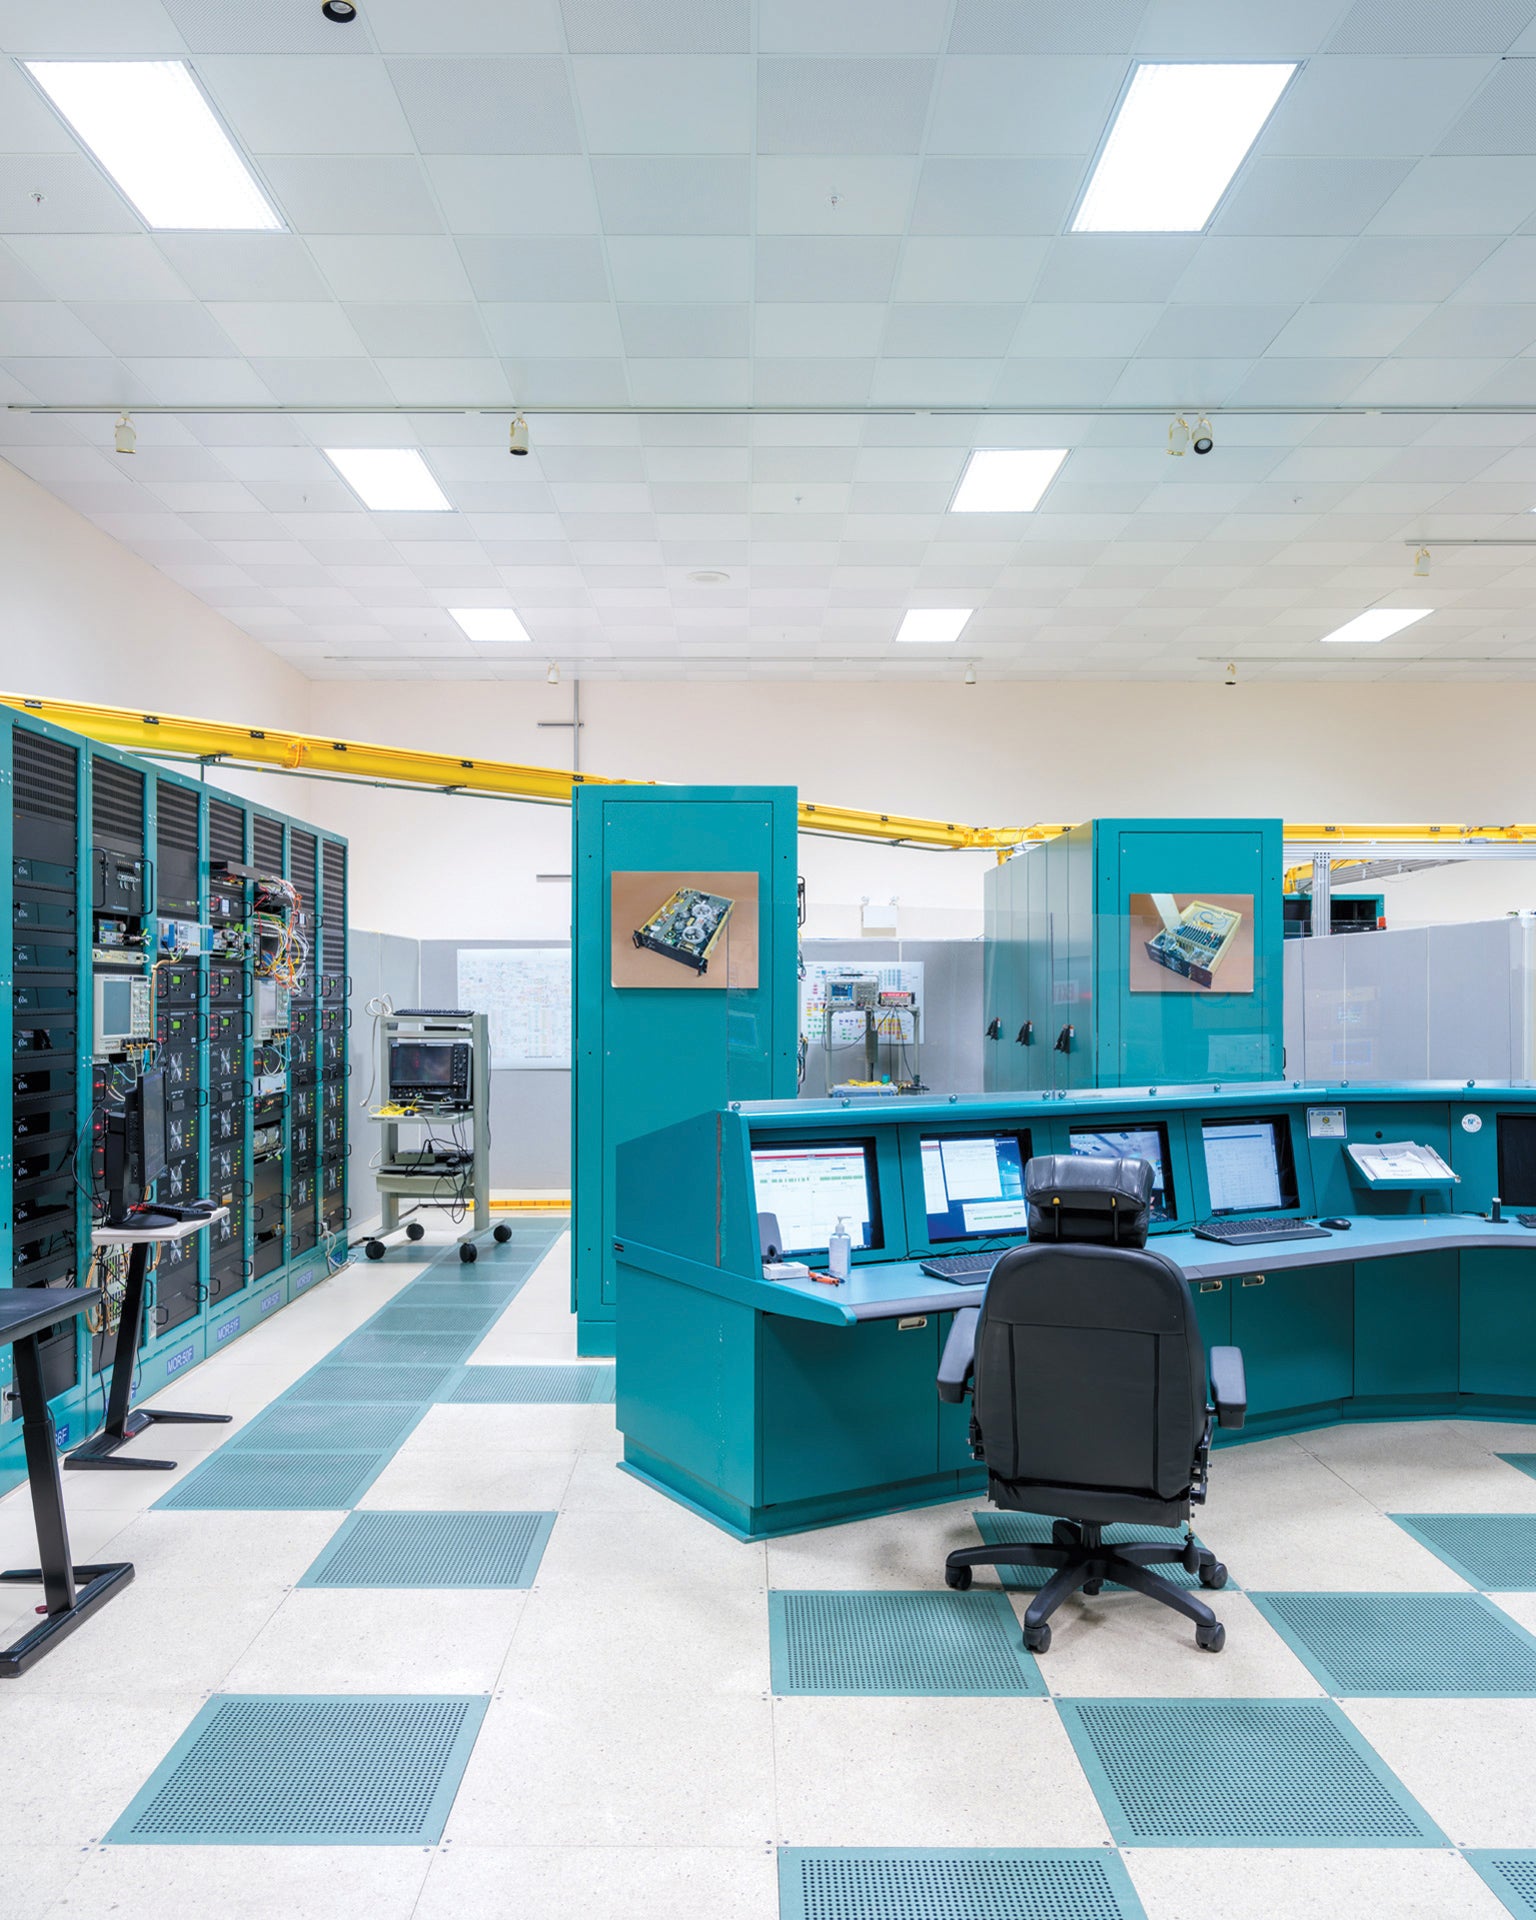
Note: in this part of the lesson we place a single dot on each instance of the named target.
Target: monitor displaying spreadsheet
(1133, 1143)
(809, 1186)
(973, 1184)
(1248, 1165)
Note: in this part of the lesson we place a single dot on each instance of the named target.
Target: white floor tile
(901, 1551)
(605, 1883)
(33, 1878)
(1299, 1883)
(323, 1640)
(668, 1547)
(246, 1883)
(509, 1343)
(561, 1768)
(1431, 1467)
(1122, 1644)
(469, 1430)
(672, 1639)
(214, 1551)
(69, 1766)
(600, 1485)
(498, 1479)
(930, 1773)
(1469, 1763)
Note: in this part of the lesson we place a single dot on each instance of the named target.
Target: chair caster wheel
(1214, 1575)
(1037, 1639)
(959, 1578)
(415, 1231)
(1093, 1586)
(1066, 1533)
(469, 1252)
(374, 1249)
(501, 1233)
(1212, 1638)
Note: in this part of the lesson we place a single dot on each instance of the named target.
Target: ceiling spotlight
(553, 676)
(1178, 436)
(970, 676)
(708, 577)
(1204, 438)
(1231, 673)
(1421, 564)
(519, 435)
(124, 438)
(341, 11)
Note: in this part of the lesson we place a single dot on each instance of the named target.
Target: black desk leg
(121, 1425)
(65, 1604)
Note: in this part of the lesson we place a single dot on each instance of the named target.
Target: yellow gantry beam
(271, 747)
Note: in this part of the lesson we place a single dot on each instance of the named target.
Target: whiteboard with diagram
(526, 991)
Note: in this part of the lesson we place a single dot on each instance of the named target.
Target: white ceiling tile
(203, 496)
(671, 332)
(287, 328)
(554, 328)
(949, 331)
(1462, 195)
(818, 329)
(368, 267)
(559, 269)
(1052, 329)
(156, 327)
(440, 329)
(1372, 106)
(47, 327)
(828, 105)
(1024, 105)
(200, 382)
(811, 382)
(852, 26)
(645, 194)
(1234, 29)
(469, 26)
(803, 269)
(241, 266)
(997, 26)
(1468, 332)
(344, 193)
(583, 382)
(60, 193)
(1387, 26)
(60, 380)
(970, 270)
(834, 194)
(994, 196)
(698, 464)
(545, 193)
(1189, 332)
(1191, 382)
(1342, 327)
(1115, 266)
(1499, 120)
(657, 26)
(28, 124)
(1264, 271)
(489, 106)
(1274, 380)
(933, 382)
(98, 27)
(1310, 195)
(673, 104)
(1413, 267)
(310, 382)
(436, 382)
(680, 269)
(280, 103)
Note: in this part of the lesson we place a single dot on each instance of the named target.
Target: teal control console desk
(774, 1406)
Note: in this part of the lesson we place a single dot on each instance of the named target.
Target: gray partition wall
(381, 964)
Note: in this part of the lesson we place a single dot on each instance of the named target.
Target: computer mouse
(1338, 1223)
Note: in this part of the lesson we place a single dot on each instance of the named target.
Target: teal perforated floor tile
(331, 1384)
(1511, 1872)
(1407, 1645)
(954, 1883)
(551, 1385)
(1240, 1773)
(433, 1550)
(333, 1770)
(467, 1293)
(403, 1349)
(424, 1317)
(898, 1643)
(1494, 1551)
(1526, 1462)
(1009, 1529)
(232, 1481)
(315, 1426)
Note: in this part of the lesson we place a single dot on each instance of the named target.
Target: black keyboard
(1244, 1232)
(431, 1013)
(965, 1269)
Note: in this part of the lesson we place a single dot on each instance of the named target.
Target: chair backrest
(1090, 1367)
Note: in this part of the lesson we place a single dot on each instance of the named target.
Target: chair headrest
(1080, 1197)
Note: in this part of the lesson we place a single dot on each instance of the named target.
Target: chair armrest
(1229, 1386)
(958, 1360)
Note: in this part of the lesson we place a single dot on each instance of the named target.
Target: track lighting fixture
(1178, 436)
(1421, 564)
(1231, 673)
(553, 676)
(519, 436)
(341, 11)
(124, 438)
(1204, 438)
(970, 676)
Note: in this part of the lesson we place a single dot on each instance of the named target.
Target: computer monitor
(1517, 1159)
(1249, 1167)
(134, 1148)
(430, 1072)
(809, 1185)
(1148, 1142)
(973, 1184)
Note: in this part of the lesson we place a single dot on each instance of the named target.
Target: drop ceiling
(808, 204)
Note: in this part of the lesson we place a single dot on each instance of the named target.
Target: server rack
(121, 868)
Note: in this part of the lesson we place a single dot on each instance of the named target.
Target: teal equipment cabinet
(1135, 951)
(231, 919)
(646, 1055)
(773, 1406)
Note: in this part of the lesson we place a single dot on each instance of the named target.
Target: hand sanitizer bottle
(839, 1251)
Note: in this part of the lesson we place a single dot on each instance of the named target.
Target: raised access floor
(497, 1677)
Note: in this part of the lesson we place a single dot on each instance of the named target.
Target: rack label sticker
(183, 1357)
(272, 1300)
(228, 1331)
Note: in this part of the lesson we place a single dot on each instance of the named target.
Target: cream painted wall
(1009, 753)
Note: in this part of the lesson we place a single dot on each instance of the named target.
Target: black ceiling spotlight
(341, 11)
(1204, 439)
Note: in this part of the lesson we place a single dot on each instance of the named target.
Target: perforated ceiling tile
(276, 26)
(1005, 1529)
(657, 26)
(1425, 27)
(842, 106)
(325, 1770)
(366, 1346)
(309, 1428)
(487, 105)
(1495, 1551)
(898, 1643)
(361, 1385)
(969, 1883)
(1407, 1645)
(235, 1481)
(1511, 1872)
(1003, 26)
(1270, 1773)
(552, 1385)
(433, 1550)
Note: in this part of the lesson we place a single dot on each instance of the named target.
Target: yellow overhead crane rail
(166, 735)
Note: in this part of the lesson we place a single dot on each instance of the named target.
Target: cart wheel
(374, 1249)
(415, 1231)
(501, 1233)
(468, 1252)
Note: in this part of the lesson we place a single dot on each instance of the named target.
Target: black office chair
(1090, 1394)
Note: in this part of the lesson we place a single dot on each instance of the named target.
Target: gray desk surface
(885, 1290)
